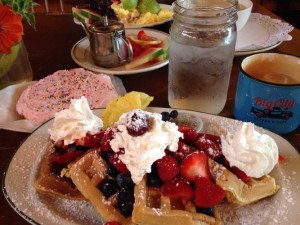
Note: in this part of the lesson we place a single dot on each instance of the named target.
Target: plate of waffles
(86, 173)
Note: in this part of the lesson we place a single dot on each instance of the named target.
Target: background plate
(40, 209)
(81, 55)
(261, 33)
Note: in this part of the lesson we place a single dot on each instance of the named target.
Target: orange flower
(11, 28)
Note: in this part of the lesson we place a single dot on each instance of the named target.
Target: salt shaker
(202, 44)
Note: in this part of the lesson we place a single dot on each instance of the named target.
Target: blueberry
(112, 171)
(106, 155)
(125, 195)
(125, 208)
(153, 180)
(174, 114)
(207, 211)
(124, 181)
(108, 187)
(165, 116)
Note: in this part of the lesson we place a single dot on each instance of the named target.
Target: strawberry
(183, 151)
(107, 137)
(189, 134)
(207, 193)
(67, 158)
(195, 165)
(167, 167)
(178, 188)
(212, 137)
(90, 140)
(116, 162)
(212, 148)
(239, 173)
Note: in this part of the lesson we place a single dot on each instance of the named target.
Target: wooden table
(49, 50)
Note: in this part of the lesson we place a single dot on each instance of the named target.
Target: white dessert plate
(80, 53)
(162, 6)
(261, 33)
(39, 209)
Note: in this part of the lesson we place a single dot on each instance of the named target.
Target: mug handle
(124, 49)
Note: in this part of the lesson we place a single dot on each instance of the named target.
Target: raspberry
(207, 193)
(211, 148)
(189, 134)
(178, 188)
(168, 168)
(138, 123)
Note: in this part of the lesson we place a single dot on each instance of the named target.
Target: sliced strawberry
(107, 137)
(90, 140)
(67, 158)
(239, 173)
(213, 149)
(178, 188)
(189, 134)
(183, 151)
(195, 165)
(143, 36)
(116, 162)
(212, 137)
(207, 193)
(168, 168)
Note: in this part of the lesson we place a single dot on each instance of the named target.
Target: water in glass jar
(199, 77)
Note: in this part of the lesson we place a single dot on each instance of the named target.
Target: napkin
(9, 118)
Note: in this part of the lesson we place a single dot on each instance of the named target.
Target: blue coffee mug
(265, 96)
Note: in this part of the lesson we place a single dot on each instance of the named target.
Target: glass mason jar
(202, 44)
(15, 67)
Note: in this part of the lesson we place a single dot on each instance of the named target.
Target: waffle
(48, 182)
(237, 191)
(87, 173)
(151, 208)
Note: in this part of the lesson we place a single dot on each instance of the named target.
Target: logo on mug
(275, 109)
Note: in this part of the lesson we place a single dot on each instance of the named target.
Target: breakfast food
(76, 130)
(40, 101)
(147, 170)
(145, 12)
(129, 12)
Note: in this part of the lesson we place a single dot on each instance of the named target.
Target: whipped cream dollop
(142, 151)
(75, 122)
(252, 152)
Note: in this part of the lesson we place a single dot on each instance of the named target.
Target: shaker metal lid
(100, 27)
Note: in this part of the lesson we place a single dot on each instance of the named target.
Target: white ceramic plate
(81, 55)
(162, 6)
(39, 209)
(261, 33)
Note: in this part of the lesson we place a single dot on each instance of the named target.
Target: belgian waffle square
(151, 208)
(87, 173)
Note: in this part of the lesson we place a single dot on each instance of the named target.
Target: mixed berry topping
(183, 175)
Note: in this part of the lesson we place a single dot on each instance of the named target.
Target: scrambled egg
(134, 17)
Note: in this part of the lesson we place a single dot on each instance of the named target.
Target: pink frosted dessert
(40, 101)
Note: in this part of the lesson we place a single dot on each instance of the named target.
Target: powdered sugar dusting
(279, 209)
